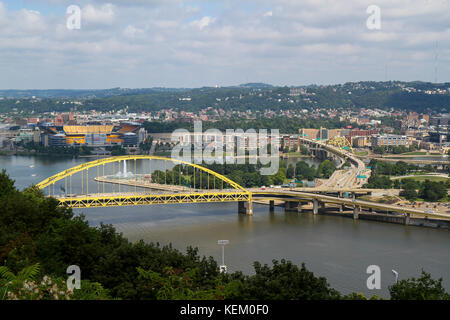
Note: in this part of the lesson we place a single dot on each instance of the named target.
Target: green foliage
(24, 285)
(432, 190)
(146, 145)
(326, 169)
(116, 150)
(90, 291)
(176, 284)
(304, 150)
(290, 171)
(379, 182)
(423, 288)
(71, 151)
(285, 281)
(39, 238)
(6, 184)
(410, 189)
(11, 281)
(398, 168)
(393, 149)
(365, 94)
(304, 171)
(358, 296)
(285, 125)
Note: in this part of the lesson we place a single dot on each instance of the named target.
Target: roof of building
(99, 129)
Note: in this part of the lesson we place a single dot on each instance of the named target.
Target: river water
(337, 248)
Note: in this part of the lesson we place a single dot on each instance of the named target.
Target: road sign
(223, 242)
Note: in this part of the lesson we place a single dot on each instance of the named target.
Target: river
(337, 248)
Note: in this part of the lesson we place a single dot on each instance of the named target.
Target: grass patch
(297, 154)
(362, 153)
(431, 178)
(415, 153)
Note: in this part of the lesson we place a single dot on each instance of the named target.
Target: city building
(391, 140)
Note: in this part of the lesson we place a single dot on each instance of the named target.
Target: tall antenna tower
(435, 62)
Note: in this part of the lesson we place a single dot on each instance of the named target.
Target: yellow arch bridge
(147, 180)
(131, 180)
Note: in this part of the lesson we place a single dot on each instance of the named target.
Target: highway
(343, 179)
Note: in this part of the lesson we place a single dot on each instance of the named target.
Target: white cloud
(174, 43)
(203, 22)
(133, 32)
(101, 15)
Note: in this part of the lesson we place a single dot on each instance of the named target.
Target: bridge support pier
(292, 206)
(315, 206)
(245, 207)
(407, 218)
(271, 205)
(355, 213)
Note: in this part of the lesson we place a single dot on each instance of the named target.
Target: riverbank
(35, 154)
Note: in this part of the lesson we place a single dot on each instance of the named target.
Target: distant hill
(80, 93)
(417, 96)
(256, 85)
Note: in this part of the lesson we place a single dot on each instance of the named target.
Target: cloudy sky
(183, 43)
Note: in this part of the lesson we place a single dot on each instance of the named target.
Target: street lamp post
(396, 275)
(223, 243)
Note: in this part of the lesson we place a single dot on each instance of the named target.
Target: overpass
(350, 179)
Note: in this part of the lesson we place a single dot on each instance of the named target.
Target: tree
(326, 169)
(432, 191)
(9, 282)
(283, 281)
(304, 150)
(423, 288)
(409, 189)
(304, 171)
(290, 171)
(379, 182)
(6, 184)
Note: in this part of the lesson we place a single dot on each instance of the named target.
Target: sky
(187, 43)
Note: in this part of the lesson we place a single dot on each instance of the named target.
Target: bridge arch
(96, 163)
